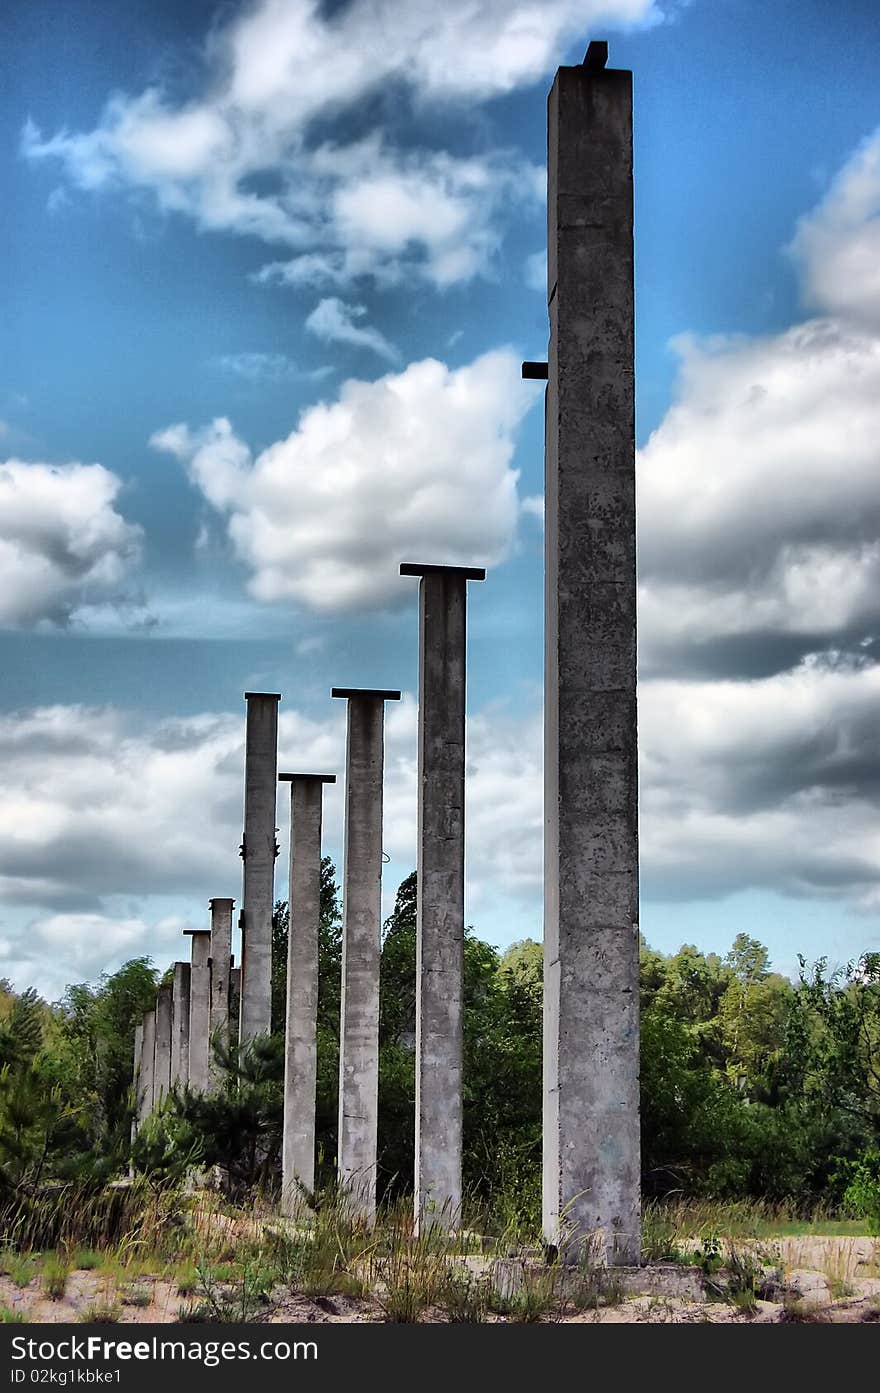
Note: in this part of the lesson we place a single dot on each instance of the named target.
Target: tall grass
(672, 1224)
(87, 1215)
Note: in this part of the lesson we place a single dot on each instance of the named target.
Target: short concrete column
(199, 1009)
(180, 1025)
(258, 850)
(136, 1077)
(440, 902)
(300, 1051)
(591, 883)
(148, 1067)
(162, 1081)
(221, 966)
(361, 944)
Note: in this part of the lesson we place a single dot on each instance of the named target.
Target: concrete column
(591, 900)
(440, 904)
(162, 1079)
(148, 1067)
(199, 1009)
(258, 850)
(300, 1050)
(136, 1077)
(361, 942)
(234, 997)
(180, 1024)
(221, 966)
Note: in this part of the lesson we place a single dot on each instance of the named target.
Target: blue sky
(269, 273)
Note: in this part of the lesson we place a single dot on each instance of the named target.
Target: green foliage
(861, 1195)
(56, 1270)
(243, 1299)
(65, 1079)
(166, 1148)
(834, 1040)
(237, 1127)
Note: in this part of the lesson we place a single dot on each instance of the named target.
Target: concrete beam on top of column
(325, 778)
(378, 692)
(418, 568)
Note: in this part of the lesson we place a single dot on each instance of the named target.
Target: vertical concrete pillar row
(300, 1050)
(361, 943)
(199, 1009)
(180, 1024)
(440, 902)
(591, 890)
(258, 850)
(162, 1079)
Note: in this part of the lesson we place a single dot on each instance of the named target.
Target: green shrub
(861, 1197)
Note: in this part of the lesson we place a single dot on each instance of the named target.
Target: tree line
(751, 1085)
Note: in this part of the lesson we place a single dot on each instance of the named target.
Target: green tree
(92, 1058)
(834, 1040)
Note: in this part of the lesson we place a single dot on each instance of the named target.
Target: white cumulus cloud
(414, 466)
(373, 206)
(838, 243)
(759, 509)
(63, 545)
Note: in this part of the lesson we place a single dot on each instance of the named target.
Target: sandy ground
(820, 1279)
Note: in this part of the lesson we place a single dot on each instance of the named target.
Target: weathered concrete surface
(361, 938)
(440, 912)
(234, 999)
(199, 1009)
(148, 1066)
(591, 904)
(136, 1078)
(300, 1050)
(259, 850)
(162, 1077)
(663, 1280)
(180, 1024)
(221, 967)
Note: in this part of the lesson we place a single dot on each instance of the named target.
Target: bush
(861, 1197)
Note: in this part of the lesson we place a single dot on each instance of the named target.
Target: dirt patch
(822, 1280)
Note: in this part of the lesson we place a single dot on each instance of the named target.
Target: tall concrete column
(361, 943)
(591, 899)
(162, 1078)
(440, 903)
(199, 1009)
(300, 1050)
(180, 1024)
(148, 1067)
(221, 967)
(136, 1079)
(258, 850)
